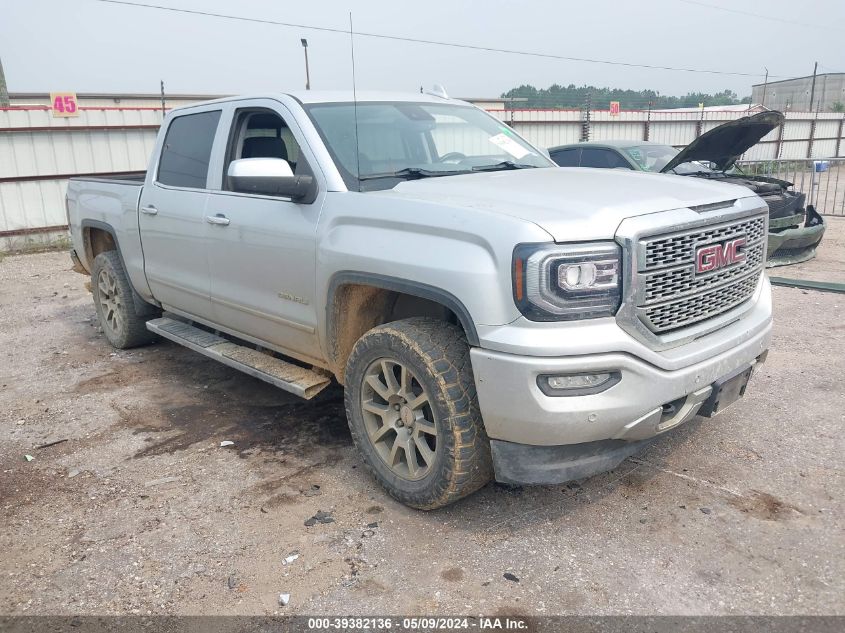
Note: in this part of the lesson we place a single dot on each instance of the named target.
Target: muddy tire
(114, 301)
(413, 412)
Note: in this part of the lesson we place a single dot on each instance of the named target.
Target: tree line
(572, 96)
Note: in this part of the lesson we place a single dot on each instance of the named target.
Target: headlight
(554, 282)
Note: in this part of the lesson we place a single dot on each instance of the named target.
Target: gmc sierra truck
(488, 313)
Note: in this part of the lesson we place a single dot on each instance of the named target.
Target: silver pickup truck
(488, 313)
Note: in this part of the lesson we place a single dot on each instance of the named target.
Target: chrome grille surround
(665, 304)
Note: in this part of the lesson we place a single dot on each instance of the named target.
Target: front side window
(187, 150)
(263, 134)
(400, 140)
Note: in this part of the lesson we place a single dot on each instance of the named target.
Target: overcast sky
(89, 46)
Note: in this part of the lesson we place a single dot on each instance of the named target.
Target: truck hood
(723, 145)
(571, 204)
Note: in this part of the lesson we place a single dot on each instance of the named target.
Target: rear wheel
(413, 412)
(114, 301)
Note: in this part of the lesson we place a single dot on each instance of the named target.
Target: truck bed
(110, 204)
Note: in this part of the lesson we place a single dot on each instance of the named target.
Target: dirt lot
(141, 511)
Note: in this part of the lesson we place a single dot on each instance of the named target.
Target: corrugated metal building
(795, 94)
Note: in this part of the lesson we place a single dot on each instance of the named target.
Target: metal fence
(39, 152)
(803, 134)
(822, 180)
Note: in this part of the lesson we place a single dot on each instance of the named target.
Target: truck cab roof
(309, 97)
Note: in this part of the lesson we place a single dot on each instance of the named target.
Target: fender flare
(108, 228)
(413, 288)
(141, 307)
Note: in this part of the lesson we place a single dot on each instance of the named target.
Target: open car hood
(723, 145)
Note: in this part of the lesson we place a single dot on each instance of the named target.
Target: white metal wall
(38, 152)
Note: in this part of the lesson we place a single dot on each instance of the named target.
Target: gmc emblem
(716, 256)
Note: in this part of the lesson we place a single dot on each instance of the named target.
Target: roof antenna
(355, 103)
(437, 91)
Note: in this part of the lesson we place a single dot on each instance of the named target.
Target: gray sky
(88, 46)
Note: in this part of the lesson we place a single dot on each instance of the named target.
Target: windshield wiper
(411, 173)
(505, 164)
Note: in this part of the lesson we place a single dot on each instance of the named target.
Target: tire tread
(136, 332)
(443, 349)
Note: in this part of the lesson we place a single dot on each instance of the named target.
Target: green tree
(572, 96)
(838, 106)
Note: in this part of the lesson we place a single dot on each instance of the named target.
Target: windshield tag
(504, 142)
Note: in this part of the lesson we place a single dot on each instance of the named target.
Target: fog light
(577, 384)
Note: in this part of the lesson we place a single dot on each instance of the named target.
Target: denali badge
(716, 256)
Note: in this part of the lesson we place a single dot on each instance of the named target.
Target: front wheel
(413, 412)
(114, 301)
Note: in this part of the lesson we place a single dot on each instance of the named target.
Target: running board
(303, 382)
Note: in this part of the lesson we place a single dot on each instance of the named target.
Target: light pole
(307, 74)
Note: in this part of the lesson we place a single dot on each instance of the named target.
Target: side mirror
(269, 177)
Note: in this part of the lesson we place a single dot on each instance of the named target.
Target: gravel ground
(139, 509)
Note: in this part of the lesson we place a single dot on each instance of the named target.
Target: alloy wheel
(399, 419)
(110, 303)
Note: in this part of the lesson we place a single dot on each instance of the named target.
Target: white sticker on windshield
(505, 142)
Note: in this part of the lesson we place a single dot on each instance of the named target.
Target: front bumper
(797, 243)
(516, 463)
(538, 438)
(514, 408)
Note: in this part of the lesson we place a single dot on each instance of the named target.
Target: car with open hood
(795, 228)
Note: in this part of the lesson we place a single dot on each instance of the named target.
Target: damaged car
(795, 228)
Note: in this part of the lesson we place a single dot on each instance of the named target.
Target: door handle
(150, 210)
(220, 219)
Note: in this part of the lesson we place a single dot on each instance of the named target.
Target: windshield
(656, 157)
(402, 140)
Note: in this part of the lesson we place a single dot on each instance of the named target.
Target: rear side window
(566, 157)
(187, 150)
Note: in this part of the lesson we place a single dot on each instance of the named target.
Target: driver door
(262, 249)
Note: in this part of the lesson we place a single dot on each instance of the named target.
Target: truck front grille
(673, 295)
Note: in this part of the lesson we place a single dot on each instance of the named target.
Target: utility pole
(813, 87)
(163, 105)
(4, 91)
(307, 73)
(765, 87)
